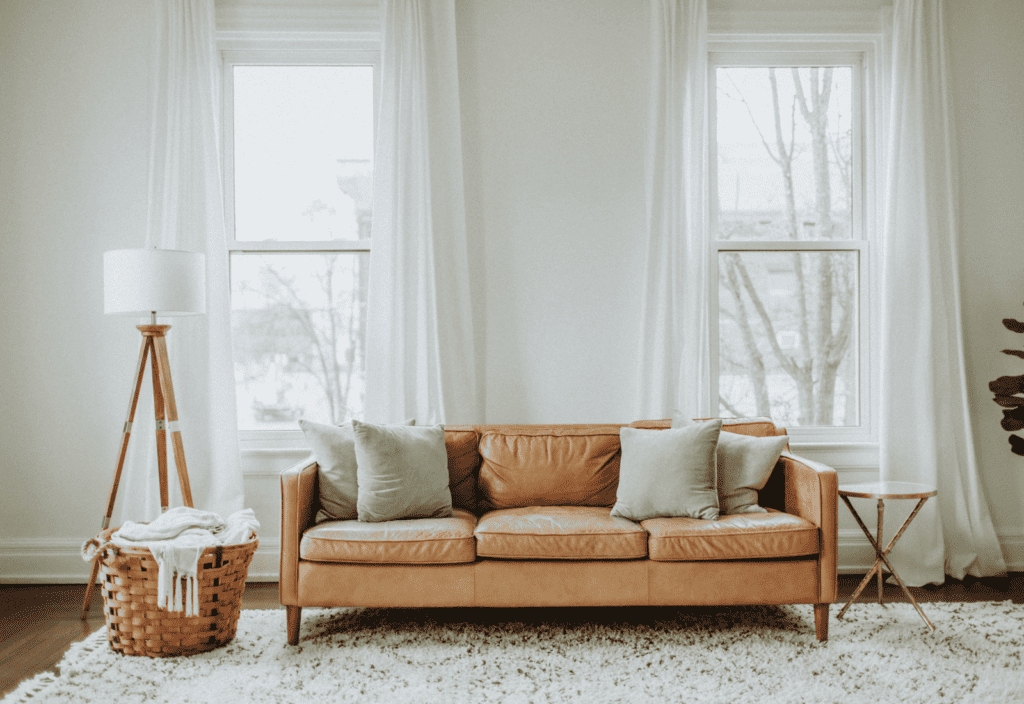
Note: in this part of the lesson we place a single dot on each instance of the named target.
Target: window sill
(846, 456)
(271, 444)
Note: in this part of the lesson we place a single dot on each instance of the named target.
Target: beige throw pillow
(668, 472)
(334, 449)
(744, 464)
(402, 472)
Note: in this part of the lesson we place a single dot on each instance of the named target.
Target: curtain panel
(926, 431)
(674, 344)
(420, 347)
(186, 211)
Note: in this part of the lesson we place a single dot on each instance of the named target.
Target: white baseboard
(42, 561)
(856, 554)
(1013, 550)
(51, 561)
(266, 563)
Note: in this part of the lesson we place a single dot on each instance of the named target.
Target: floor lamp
(152, 282)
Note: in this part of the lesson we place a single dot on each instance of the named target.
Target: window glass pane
(298, 324)
(303, 152)
(784, 153)
(787, 336)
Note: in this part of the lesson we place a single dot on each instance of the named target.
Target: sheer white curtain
(926, 428)
(419, 347)
(186, 211)
(674, 359)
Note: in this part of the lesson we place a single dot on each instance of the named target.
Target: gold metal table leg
(881, 559)
(878, 539)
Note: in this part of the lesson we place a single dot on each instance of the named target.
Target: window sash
(809, 434)
(758, 59)
(273, 443)
(235, 57)
(754, 52)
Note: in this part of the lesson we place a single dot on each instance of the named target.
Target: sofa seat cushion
(412, 541)
(559, 533)
(743, 536)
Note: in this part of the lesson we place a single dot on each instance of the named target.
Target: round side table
(882, 491)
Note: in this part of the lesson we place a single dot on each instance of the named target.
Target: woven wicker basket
(137, 626)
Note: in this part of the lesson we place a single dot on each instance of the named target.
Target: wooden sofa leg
(294, 620)
(820, 621)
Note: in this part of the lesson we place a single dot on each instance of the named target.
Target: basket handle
(104, 551)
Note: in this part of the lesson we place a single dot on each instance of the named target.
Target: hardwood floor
(39, 622)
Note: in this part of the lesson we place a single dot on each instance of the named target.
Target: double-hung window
(299, 172)
(791, 238)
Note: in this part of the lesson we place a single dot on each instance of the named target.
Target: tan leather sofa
(532, 527)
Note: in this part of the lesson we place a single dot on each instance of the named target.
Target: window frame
(803, 50)
(266, 441)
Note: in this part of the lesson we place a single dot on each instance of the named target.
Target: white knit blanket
(177, 538)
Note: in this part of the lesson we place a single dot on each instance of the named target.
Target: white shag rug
(659, 654)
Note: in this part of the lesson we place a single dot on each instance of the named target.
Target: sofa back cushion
(463, 462)
(758, 427)
(554, 465)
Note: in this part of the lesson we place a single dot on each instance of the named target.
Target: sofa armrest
(299, 485)
(812, 492)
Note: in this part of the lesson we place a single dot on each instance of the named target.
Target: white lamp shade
(141, 281)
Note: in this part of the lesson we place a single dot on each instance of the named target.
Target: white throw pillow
(744, 464)
(402, 472)
(668, 472)
(334, 449)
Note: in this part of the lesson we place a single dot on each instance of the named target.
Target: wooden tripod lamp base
(140, 282)
(154, 350)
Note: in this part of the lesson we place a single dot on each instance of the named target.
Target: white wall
(553, 103)
(987, 53)
(74, 146)
(553, 118)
